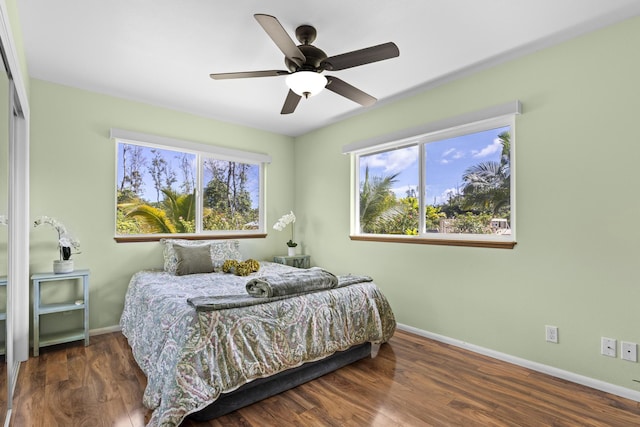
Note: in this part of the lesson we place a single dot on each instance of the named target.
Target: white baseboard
(107, 330)
(535, 366)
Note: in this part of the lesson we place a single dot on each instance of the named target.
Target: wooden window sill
(158, 237)
(443, 242)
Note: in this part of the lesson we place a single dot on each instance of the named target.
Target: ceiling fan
(306, 63)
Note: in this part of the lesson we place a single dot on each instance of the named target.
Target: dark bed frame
(266, 387)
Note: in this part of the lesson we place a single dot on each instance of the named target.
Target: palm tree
(175, 215)
(376, 198)
(488, 184)
(154, 219)
(179, 206)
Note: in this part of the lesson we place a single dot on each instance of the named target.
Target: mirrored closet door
(14, 206)
(4, 236)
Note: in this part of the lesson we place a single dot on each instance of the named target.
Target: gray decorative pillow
(221, 250)
(193, 259)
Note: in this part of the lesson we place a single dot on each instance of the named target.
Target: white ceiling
(162, 51)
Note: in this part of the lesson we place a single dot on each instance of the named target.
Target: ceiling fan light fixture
(306, 83)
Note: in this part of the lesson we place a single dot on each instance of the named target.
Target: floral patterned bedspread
(191, 357)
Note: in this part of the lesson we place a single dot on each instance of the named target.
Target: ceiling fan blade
(290, 103)
(353, 93)
(280, 37)
(246, 74)
(361, 57)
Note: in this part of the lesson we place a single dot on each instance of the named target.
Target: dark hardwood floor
(3, 388)
(413, 382)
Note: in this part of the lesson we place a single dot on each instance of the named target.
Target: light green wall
(577, 151)
(73, 178)
(576, 156)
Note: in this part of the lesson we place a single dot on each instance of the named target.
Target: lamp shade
(306, 83)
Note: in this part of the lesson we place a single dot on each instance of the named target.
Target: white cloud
(393, 161)
(451, 153)
(490, 149)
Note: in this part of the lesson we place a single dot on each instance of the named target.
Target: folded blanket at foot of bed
(221, 302)
(294, 282)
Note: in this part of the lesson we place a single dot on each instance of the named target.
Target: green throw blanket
(221, 302)
(294, 282)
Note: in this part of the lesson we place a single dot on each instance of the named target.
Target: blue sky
(148, 190)
(446, 161)
(172, 158)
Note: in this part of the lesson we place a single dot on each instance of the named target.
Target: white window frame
(490, 118)
(201, 151)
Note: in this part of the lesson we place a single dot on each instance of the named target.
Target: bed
(204, 359)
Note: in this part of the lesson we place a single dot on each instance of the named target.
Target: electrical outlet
(551, 333)
(629, 351)
(608, 347)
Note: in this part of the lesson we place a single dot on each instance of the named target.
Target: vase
(291, 251)
(62, 266)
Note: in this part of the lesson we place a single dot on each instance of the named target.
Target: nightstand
(41, 309)
(299, 261)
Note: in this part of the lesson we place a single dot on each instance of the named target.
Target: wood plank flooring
(3, 388)
(413, 382)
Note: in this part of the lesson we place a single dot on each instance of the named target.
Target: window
(167, 187)
(452, 185)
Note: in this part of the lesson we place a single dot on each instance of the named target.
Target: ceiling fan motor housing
(306, 34)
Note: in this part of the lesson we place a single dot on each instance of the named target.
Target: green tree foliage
(153, 220)
(433, 215)
(488, 184)
(410, 214)
(220, 221)
(401, 218)
(127, 199)
(226, 191)
(470, 223)
(227, 201)
(127, 225)
(376, 199)
(181, 209)
(176, 214)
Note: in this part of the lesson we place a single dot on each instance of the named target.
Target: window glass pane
(171, 190)
(389, 191)
(231, 195)
(468, 185)
(155, 190)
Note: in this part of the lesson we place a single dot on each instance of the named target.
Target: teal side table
(299, 261)
(40, 309)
